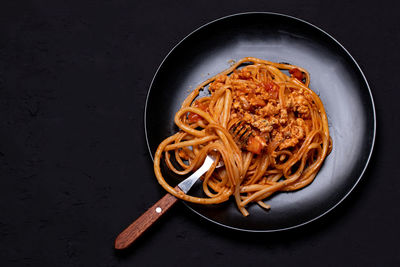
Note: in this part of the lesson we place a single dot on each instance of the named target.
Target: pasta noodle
(268, 128)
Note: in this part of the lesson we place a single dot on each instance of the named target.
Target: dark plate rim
(300, 21)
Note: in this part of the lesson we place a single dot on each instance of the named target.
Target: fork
(147, 219)
(241, 132)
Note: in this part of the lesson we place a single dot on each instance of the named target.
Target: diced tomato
(271, 88)
(296, 73)
(194, 117)
(254, 145)
(258, 102)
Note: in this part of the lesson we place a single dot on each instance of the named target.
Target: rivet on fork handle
(138, 227)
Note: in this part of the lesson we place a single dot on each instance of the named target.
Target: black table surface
(74, 166)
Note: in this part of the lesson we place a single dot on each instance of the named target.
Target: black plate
(335, 76)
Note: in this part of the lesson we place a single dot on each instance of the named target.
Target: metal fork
(141, 224)
(241, 132)
(186, 184)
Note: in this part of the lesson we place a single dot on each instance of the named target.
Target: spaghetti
(268, 128)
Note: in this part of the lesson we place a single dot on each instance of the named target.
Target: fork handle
(147, 219)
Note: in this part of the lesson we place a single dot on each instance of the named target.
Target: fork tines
(241, 132)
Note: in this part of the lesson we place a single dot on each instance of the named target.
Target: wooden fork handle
(138, 227)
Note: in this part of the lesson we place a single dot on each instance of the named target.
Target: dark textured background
(74, 166)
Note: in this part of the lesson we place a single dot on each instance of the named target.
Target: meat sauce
(258, 104)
